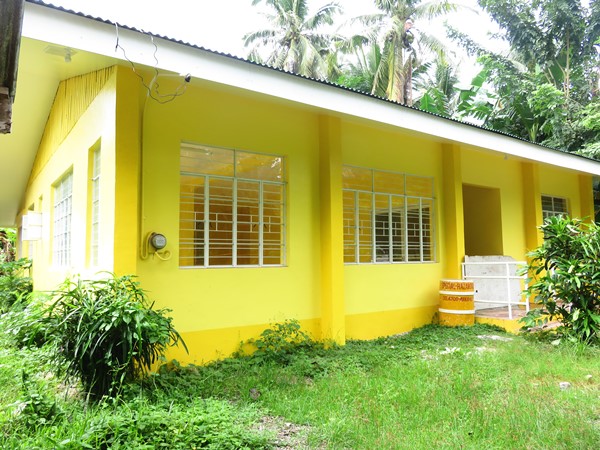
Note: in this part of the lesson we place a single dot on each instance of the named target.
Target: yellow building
(278, 196)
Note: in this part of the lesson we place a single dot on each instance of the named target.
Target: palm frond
(324, 16)
(388, 6)
(431, 10)
(263, 36)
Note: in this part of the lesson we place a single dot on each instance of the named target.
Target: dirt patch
(289, 436)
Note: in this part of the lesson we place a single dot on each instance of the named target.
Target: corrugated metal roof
(316, 80)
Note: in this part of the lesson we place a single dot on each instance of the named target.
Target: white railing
(504, 288)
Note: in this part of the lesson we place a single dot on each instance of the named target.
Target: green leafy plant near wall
(15, 286)
(565, 272)
(107, 332)
(281, 343)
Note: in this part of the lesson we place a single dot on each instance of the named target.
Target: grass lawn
(469, 388)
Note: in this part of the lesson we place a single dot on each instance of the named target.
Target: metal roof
(316, 80)
(93, 39)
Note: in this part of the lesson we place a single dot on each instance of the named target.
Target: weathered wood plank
(5, 111)
(11, 20)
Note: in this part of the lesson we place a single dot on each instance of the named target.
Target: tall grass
(432, 388)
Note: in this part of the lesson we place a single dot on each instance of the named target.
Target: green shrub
(25, 326)
(36, 407)
(14, 285)
(107, 332)
(565, 272)
(282, 343)
(198, 423)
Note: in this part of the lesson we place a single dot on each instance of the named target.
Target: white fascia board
(66, 29)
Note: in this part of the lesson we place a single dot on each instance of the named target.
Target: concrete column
(532, 203)
(586, 197)
(332, 240)
(453, 226)
(127, 172)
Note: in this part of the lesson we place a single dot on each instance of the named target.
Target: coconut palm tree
(401, 44)
(362, 63)
(295, 41)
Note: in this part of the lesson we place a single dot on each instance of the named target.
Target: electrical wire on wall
(153, 89)
(153, 92)
(151, 248)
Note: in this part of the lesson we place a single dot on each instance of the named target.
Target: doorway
(483, 220)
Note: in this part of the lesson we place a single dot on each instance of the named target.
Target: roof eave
(99, 36)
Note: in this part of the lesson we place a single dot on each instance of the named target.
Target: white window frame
(554, 211)
(263, 222)
(95, 207)
(392, 224)
(62, 215)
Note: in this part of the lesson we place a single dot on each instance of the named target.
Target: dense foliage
(282, 343)
(107, 332)
(15, 284)
(544, 89)
(296, 42)
(491, 390)
(566, 278)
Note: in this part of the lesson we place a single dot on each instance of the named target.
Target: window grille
(553, 206)
(61, 249)
(388, 217)
(232, 208)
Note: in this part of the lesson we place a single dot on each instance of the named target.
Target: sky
(220, 24)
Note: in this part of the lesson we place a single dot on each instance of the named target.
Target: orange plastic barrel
(457, 307)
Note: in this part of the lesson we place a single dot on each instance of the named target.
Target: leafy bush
(281, 343)
(107, 332)
(36, 407)
(14, 285)
(565, 272)
(197, 424)
(25, 326)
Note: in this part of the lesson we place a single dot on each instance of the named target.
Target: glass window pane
(553, 206)
(220, 217)
(365, 227)
(419, 186)
(382, 228)
(388, 182)
(207, 160)
(350, 226)
(357, 178)
(259, 167)
(394, 223)
(61, 242)
(427, 230)
(413, 225)
(238, 220)
(397, 229)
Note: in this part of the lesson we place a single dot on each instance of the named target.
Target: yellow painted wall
(82, 118)
(208, 300)
(495, 171)
(216, 308)
(383, 299)
(451, 221)
(558, 182)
